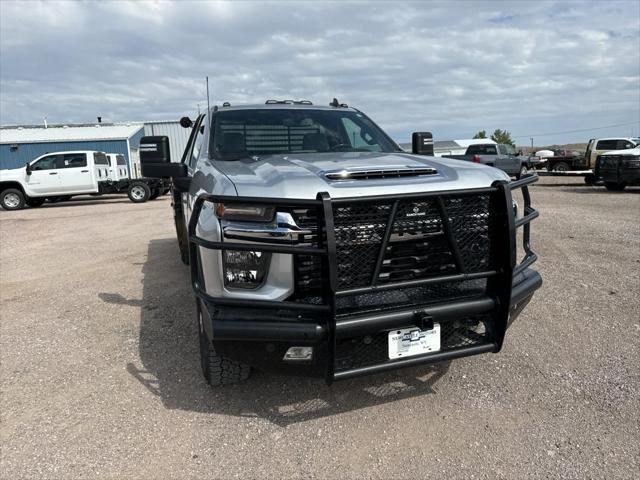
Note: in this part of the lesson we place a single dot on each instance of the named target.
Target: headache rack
(388, 261)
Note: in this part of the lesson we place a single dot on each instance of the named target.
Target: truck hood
(12, 174)
(629, 151)
(303, 175)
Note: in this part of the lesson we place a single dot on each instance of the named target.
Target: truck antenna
(208, 106)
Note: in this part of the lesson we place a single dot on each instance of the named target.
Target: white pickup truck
(61, 175)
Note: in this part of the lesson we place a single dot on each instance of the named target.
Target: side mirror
(28, 169)
(422, 143)
(186, 122)
(155, 159)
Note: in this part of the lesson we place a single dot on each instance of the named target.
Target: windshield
(245, 133)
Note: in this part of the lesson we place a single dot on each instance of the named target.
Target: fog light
(299, 353)
(244, 269)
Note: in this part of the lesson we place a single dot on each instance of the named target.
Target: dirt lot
(100, 372)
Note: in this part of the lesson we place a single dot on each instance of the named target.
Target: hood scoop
(378, 173)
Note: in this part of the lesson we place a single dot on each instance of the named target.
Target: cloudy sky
(452, 68)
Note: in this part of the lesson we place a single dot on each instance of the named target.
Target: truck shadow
(599, 190)
(82, 201)
(169, 364)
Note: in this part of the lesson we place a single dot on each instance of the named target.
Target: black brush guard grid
(499, 280)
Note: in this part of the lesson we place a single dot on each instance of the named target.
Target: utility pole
(531, 144)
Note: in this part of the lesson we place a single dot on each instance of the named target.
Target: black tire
(183, 243)
(614, 186)
(165, 191)
(12, 199)
(523, 172)
(155, 193)
(217, 369)
(181, 228)
(35, 201)
(138, 192)
(561, 167)
(590, 179)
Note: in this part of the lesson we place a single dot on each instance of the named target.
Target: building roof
(474, 141)
(68, 133)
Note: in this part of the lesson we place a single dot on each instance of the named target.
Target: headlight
(244, 269)
(632, 161)
(247, 213)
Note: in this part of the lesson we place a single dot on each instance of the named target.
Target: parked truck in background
(318, 247)
(61, 175)
(502, 156)
(619, 169)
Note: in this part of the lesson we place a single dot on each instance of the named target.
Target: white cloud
(452, 68)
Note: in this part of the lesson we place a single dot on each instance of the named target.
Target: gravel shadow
(169, 364)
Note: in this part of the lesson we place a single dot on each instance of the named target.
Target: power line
(576, 131)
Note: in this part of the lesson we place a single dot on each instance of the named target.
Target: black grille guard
(500, 286)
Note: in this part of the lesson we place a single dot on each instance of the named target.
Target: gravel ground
(100, 372)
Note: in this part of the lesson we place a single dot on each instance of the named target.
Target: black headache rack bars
(368, 267)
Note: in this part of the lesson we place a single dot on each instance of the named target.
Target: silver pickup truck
(502, 156)
(318, 247)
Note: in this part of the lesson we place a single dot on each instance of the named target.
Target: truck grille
(609, 162)
(417, 248)
(374, 349)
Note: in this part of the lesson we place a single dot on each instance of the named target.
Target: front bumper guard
(509, 287)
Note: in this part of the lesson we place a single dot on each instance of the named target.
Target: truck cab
(598, 146)
(318, 247)
(117, 167)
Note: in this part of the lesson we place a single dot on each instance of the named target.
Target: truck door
(113, 168)
(591, 162)
(75, 174)
(45, 176)
(506, 159)
(121, 167)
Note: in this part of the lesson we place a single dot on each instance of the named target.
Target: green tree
(481, 134)
(502, 136)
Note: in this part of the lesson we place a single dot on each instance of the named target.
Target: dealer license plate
(408, 342)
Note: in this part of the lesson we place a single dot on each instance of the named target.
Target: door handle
(53, 173)
(84, 171)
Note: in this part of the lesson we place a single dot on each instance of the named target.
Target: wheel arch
(12, 184)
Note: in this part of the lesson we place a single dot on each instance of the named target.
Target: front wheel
(139, 192)
(614, 186)
(217, 369)
(12, 199)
